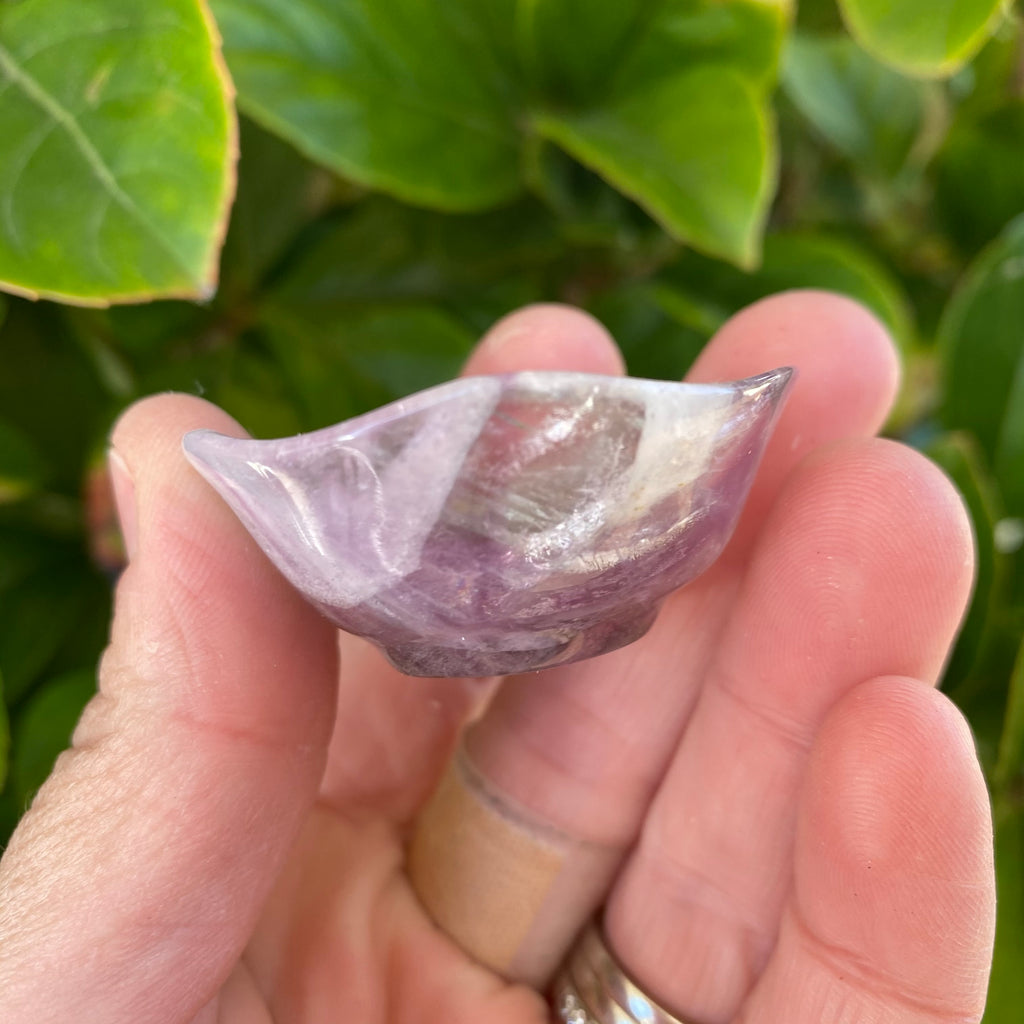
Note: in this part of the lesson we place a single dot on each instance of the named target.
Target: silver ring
(593, 988)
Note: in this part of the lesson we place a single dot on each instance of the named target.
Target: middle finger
(577, 752)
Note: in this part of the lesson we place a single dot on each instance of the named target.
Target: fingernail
(124, 498)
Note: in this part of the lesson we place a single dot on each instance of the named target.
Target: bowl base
(421, 658)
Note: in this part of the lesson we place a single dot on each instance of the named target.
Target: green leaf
(22, 467)
(694, 149)
(578, 51)
(358, 358)
(978, 178)
(830, 262)
(49, 390)
(117, 167)
(746, 35)
(254, 392)
(801, 259)
(659, 328)
(870, 113)
(1009, 766)
(922, 37)
(279, 193)
(38, 618)
(958, 454)
(981, 340)
(5, 737)
(1009, 461)
(567, 46)
(381, 252)
(43, 729)
(411, 98)
(1006, 988)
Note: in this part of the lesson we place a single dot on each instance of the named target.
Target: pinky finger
(892, 912)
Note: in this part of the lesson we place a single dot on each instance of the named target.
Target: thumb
(131, 886)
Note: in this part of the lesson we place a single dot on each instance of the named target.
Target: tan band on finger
(511, 892)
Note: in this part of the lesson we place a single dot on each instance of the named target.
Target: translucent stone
(503, 524)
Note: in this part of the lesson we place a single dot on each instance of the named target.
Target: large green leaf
(694, 148)
(922, 37)
(870, 113)
(412, 98)
(116, 170)
(981, 339)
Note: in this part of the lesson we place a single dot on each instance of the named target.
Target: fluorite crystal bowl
(503, 524)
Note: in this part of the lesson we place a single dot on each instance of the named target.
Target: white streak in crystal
(421, 476)
(673, 447)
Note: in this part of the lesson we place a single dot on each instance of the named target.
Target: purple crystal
(502, 524)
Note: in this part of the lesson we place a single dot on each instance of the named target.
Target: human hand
(804, 825)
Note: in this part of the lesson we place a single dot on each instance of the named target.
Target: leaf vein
(58, 113)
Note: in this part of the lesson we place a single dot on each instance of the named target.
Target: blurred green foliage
(410, 171)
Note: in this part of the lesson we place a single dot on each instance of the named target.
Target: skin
(808, 827)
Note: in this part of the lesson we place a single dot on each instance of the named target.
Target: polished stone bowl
(503, 524)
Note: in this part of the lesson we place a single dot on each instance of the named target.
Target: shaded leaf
(21, 554)
(360, 358)
(414, 99)
(981, 339)
(804, 260)
(659, 328)
(1006, 988)
(5, 737)
(1009, 460)
(117, 167)
(801, 260)
(22, 467)
(870, 113)
(922, 37)
(43, 728)
(694, 149)
(578, 52)
(746, 35)
(36, 620)
(279, 192)
(959, 456)
(254, 392)
(478, 266)
(980, 174)
(1009, 767)
(567, 46)
(49, 390)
